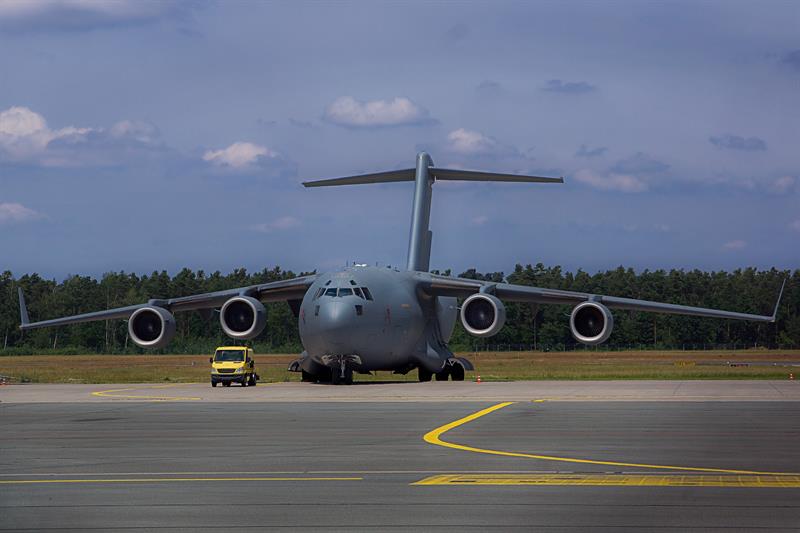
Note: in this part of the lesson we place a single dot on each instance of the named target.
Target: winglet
(778, 303)
(23, 309)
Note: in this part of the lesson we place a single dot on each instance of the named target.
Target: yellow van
(233, 364)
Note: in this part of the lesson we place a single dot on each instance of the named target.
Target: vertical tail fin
(423, 176)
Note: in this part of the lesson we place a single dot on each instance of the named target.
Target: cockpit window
(345, 292)
(330, 292)
(319, 292)
(357, 292)
(367, 293)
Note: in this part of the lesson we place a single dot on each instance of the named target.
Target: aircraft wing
(289, 289)
(450, 286)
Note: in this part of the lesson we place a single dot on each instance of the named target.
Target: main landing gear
(452, 370)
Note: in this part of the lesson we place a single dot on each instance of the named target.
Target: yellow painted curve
(617, 480)
(434, 437)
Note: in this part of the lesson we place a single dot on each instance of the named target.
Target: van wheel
(213, 383)
(226, 383)
(244, 382)
(252, 380)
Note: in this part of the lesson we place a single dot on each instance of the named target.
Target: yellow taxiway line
(173, 480)
(616, 480)
(434, 437)
(111, 393)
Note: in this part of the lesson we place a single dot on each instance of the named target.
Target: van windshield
(229, 355)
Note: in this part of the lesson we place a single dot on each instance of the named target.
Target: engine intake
(151, 327)
(243, 317)
(483, 315)
(591, 323)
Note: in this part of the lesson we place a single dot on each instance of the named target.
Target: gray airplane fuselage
(388, 326)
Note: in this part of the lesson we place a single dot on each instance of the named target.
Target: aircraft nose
(333, 322)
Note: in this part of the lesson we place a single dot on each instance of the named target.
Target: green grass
(497, 366)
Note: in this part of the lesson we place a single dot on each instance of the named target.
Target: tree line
(544, 327)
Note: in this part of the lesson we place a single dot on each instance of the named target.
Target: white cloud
(25, 137)
(26, 8)
(24, 134)
(134, 129)
(782, 185)
(399, 111)
(12, 212)
(735, 245)
(239, 155)
(279, 224)
(468, 142)
(23, 15)
(795, 225)
(611, 182)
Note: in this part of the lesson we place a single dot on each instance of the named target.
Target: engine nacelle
(483, 315)
(591, 323)
(151, 327)
(243, 317)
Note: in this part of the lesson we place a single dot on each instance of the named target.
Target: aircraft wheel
(424, 375)
(337, 379)
(457, 373)
(443, 375)
(308, 377)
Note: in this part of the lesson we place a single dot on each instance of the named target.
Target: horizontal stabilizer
(378, 177)
(471, 175)
(446, 174)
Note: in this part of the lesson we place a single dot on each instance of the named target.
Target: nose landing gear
(341, 367)
(342, 375)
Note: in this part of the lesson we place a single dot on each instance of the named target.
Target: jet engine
(483, 315)
(591, 323)
(151, 327)
(243, 317)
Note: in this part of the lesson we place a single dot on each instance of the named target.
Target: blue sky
(139, 136)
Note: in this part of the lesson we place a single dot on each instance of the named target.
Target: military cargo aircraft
(363, 318)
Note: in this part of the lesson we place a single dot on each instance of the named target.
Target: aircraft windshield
(229, 356)
(361, 292)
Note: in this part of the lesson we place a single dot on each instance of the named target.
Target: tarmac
(544, 456)
(446, 391)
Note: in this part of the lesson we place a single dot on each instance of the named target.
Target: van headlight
(239, 370)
